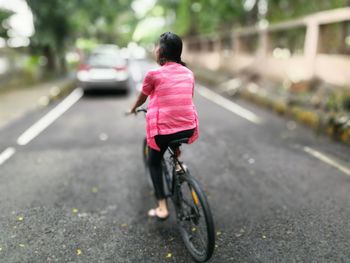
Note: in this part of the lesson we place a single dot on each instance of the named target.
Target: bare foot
(158, 212)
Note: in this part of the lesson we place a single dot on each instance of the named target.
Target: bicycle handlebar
(137, 111)
(141, 110)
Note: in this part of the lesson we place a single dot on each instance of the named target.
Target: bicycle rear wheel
(195, 220)
(145, 155)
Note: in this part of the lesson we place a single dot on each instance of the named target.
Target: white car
(104, 69)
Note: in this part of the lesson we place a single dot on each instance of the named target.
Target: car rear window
(105, 60)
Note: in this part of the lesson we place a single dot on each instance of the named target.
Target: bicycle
(189, 200)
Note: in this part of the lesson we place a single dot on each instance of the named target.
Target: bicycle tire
(187, 235)
(145, 153)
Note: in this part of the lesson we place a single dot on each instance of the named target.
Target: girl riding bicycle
(171, 114)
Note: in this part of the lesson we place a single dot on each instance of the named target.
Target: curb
(57, 92)
(317, 120)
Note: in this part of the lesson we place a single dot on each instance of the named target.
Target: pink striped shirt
(170, 109)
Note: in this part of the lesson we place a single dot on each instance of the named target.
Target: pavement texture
(77, 192)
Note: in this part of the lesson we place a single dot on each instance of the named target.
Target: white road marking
(229, 105)
(327, 160)
(50, 117)
(5, 155)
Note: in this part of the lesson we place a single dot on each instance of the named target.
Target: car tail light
(83, 67)
(120, 68)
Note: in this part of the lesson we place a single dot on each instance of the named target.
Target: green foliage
(51, 22)
(280, 10)
(58, 23)
(183, 17)
(203, 16)
(210, 16)
(339, 101)
(4, 14)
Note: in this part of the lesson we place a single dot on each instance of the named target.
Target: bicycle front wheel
(195, 220)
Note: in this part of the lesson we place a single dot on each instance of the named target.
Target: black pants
(155, 159)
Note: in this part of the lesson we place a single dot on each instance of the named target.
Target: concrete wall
(267, 59)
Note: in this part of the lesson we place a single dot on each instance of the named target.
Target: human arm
(147, 88)
(140, 100)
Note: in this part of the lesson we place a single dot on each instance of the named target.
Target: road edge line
(326, 160)
(229, 105)
(50, 117)
(7, 154)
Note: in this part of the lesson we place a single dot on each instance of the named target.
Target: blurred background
(291, 56)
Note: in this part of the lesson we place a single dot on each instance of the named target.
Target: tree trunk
(63, 64)
(252, 16)
(50, 58)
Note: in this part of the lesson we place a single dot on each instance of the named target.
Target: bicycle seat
(178, 142)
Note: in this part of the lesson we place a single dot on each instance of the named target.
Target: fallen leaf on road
(103, 136)
(78, 252)
(19, 218)
(75, 210)
(251, 161)
(169, 255)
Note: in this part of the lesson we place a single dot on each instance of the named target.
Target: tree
(203, 16)
(58, 23)
(4, 14)
(280, 10)
(52, 30)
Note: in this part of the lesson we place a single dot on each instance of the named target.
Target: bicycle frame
(172, 180)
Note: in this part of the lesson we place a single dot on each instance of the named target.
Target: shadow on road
(106, 93)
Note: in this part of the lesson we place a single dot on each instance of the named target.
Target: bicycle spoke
(201, 233)
(202, 241)
(193, 215)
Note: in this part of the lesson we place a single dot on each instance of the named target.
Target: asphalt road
(76, 192)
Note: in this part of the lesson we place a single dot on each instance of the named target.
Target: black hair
(170, 48)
